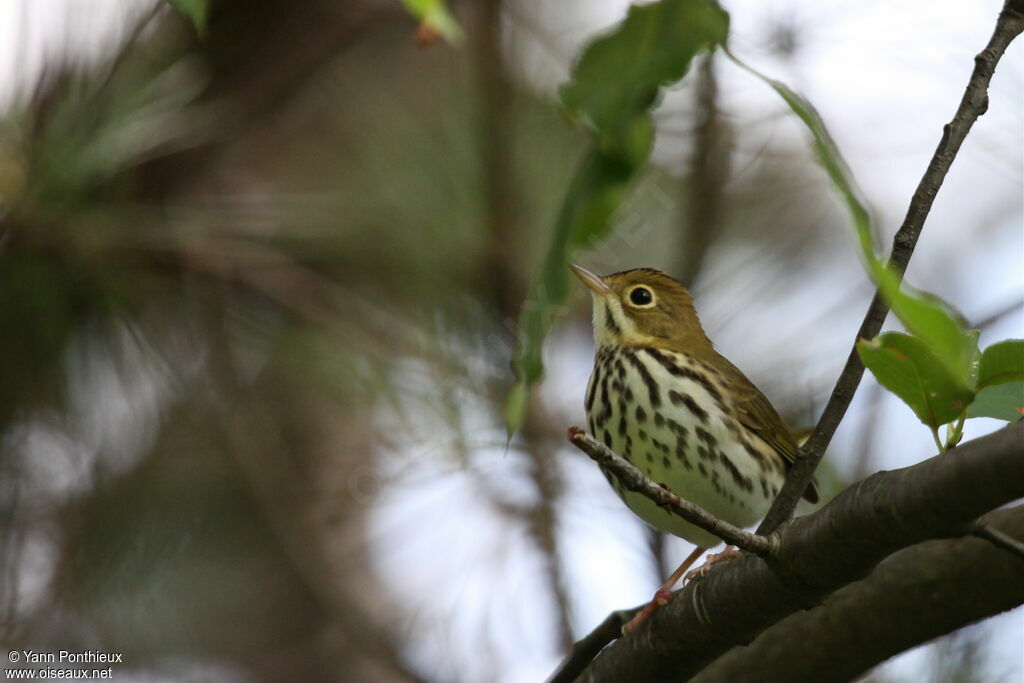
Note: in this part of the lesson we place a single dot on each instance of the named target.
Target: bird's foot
(664, 594)
(711, 560)
(661, 598)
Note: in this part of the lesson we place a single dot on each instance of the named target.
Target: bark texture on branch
(817, 554)
(917, 594)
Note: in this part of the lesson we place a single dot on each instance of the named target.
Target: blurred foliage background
(258, 286)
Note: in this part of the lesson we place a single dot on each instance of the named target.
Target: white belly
(675, 431)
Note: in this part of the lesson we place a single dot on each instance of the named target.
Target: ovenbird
(662, 398)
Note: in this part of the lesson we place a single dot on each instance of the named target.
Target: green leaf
(196, 11)
(618, 79)
(1002, 401)
(909, 368)
(515, 406)
(615, 85)
(935, 322)
(1002, 362)
(434, 15)
(587, 211)
(924, 315)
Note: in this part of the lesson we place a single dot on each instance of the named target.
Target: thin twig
(587, 647)
(998, 538)
(634, 480)
(973, 104)
(992, 318)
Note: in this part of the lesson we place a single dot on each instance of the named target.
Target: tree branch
(973, 104)
(588, 647)
(818, 554)
(998, 538)
(918, 594)
(634, 480)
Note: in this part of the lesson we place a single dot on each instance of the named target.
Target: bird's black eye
(641, 296)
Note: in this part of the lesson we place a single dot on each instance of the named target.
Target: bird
(664, 399)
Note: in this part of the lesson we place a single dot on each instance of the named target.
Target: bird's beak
(593, 281)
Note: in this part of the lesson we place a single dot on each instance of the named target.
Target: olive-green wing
(757, 413)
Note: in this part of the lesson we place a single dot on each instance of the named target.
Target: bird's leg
(664, 594)
(713, 559)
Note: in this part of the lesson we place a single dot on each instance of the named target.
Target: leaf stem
(955, 432)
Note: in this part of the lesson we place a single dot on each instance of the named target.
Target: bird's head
(643, 307)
